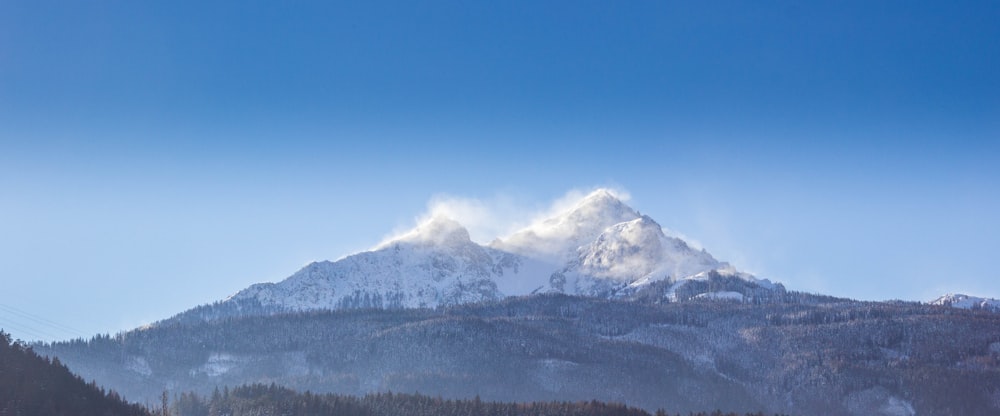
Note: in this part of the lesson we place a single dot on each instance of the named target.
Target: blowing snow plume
(572, 221)
(502, 215)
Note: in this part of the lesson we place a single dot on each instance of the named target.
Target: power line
(36, 326)
(41, 320)
(27, 329)
(7, 326)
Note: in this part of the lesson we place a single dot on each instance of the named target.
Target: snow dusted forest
(802, 355)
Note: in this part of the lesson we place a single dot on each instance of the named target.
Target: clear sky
(155, 156)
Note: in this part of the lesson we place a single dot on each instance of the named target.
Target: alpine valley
(597, 302)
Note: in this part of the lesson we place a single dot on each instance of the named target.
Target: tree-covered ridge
(260, 400)
(811, 356)
(33, 385)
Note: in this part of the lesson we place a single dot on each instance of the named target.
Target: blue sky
(159, 155)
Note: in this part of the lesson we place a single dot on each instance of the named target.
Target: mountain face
(557, 239)
(435, 264)
(630, 255)
(600, 247)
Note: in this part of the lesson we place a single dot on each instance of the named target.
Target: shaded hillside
(834, 358)
(32, 385)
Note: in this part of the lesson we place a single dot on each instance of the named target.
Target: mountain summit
(438, 230)
(598, 247)
(557, 238)
(434, 264)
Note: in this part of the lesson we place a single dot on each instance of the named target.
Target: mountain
(958, 300)
(629, 255)
(598, 247)
(557, 239)
(435, 264)
(595, 302)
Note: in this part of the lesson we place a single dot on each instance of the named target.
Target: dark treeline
(262, 400)
(32, 385)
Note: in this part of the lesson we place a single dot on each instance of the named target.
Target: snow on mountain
(435, 264)
(601, 246)
(723, 295)
(598, 247)
(639, 248)
(958, 300)
(436, 231)
(557, 239)
(631, 254)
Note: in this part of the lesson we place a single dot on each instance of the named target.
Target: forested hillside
(32, 385)
(811, 356)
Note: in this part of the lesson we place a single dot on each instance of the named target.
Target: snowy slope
(601, 246)
(557, 239)
(435, 264)
(598, 247)
(635, 253)
(958, 300)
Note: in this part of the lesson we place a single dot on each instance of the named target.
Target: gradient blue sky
(159, 155)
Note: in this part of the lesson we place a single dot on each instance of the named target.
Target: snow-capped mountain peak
(958, 300)
(633, 254)
(558, 238)
(631, 248)
(598, 247)
(437, 230)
